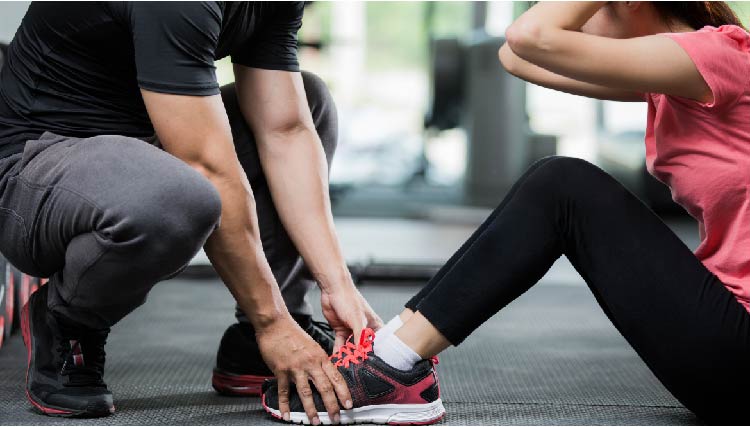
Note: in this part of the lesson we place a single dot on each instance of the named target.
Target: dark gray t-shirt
(75, 69)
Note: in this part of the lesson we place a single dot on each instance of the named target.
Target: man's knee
(323, 110)
(174, 218)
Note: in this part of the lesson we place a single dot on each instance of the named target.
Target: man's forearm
(236, 252)
(297, 173)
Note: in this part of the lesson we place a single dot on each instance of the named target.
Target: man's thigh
(64, 187)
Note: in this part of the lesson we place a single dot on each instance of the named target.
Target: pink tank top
(702, 151)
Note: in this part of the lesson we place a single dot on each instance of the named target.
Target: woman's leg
(411, 305)
(682, 321)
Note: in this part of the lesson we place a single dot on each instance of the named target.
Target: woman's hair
(698, 14)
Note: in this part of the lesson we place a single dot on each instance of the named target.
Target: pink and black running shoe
(380, 393)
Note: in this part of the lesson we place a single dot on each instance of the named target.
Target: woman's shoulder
(728, 34)
(728, 44)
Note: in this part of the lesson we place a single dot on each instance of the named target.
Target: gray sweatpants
(108, 217)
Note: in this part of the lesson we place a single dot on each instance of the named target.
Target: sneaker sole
(393, 414)
(52, 411)
(229, 384)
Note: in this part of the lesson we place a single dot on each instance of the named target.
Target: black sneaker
(240, 369)
(380, 393)
(64, 377)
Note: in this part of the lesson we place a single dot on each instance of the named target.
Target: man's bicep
(193, 128)
(272, 101)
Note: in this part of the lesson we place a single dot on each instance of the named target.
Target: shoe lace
(84, 358)
(344, 350)
(351, 354)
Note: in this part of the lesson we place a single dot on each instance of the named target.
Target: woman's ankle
(421, 336)
(405, 315)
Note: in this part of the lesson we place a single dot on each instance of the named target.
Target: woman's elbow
(507, 58)
(525, 37)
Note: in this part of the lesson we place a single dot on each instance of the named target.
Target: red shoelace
(350, 353)
(357, 353)
(344, 350)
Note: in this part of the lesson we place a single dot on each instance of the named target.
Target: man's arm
(196, 130)
(275, 106)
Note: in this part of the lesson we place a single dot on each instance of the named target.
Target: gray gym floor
(551, 357)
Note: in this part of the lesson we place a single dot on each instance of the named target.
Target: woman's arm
(548, 36)
(534, 74)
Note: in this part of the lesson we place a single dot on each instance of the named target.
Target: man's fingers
(283, 387)
(325, 388)
(339, 385)
(340, 340)
(357, 327)
(306, 396)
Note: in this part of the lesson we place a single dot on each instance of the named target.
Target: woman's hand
(347, 312)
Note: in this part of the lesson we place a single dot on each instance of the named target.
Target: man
(88, 93)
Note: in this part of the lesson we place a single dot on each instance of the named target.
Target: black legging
(688, 328)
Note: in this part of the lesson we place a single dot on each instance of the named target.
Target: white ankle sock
(389, 327)
(394, 352)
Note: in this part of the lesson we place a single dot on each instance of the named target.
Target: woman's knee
(565, 179)
(557, 167)
(559, 173)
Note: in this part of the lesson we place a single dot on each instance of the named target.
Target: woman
(685, 314)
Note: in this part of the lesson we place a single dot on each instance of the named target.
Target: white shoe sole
(412, 414)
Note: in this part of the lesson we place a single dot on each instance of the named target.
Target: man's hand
(294, 357)
(347, 312)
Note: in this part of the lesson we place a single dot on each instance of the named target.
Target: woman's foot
(380, 393)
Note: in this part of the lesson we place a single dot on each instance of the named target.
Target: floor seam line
(592, 405)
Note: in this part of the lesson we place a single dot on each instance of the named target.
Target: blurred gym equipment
(15, 290)
(470, 89)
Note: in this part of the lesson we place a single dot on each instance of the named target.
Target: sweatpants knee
(172, 221)
(323, 110)
(202, 207)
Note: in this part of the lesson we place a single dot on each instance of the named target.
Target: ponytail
(698, 14)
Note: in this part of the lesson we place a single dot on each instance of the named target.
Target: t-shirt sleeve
(174, 46)
(721, 56)
(274, 47)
